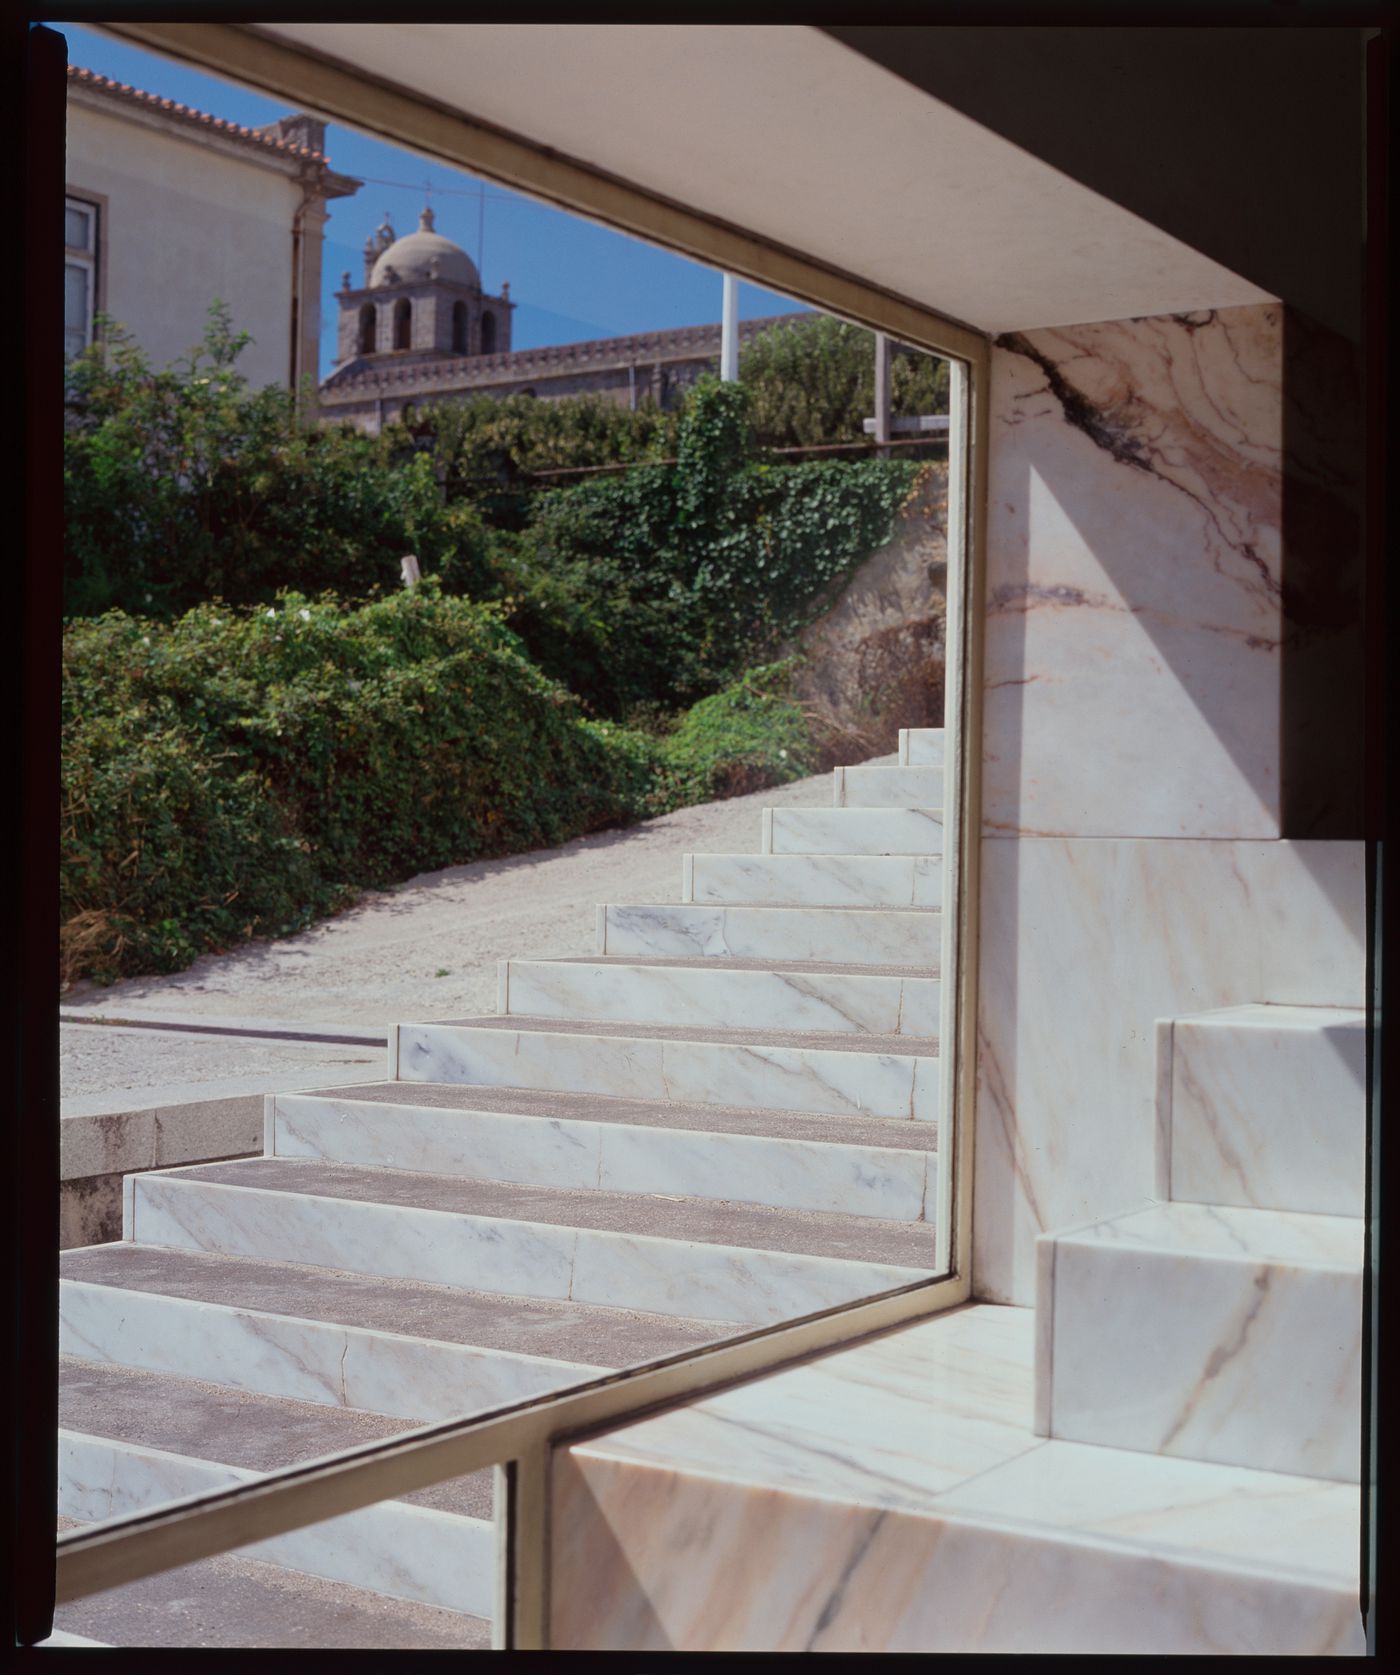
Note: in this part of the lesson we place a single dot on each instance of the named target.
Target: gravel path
(426, 950)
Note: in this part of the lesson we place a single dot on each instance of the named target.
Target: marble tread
(873, 936)
(191, 1416)
(852, 831)
(902, 1502)
(802, 998)
(859, 1075)
(703, 1258)
(1208, 1333)
(815, 880)
(231, 1601)
(1265, 1106)
(777, 1168)
(892, 787)
(534, 1326)
(647, 1113)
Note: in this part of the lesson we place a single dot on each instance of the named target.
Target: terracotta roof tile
(153, 101)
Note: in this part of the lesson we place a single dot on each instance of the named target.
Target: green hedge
(239, 773)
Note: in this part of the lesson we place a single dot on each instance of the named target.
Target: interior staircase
(723, 1118)
(1162, 1457)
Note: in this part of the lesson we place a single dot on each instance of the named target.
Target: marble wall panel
(1085, 943)
(1134, 578)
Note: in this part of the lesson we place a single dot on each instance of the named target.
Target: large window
(80, 273)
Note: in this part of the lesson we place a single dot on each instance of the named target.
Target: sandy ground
(426, 950)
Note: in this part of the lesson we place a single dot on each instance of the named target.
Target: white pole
(729, 332)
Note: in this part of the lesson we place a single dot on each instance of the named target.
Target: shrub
(182, 486)
(749, 736)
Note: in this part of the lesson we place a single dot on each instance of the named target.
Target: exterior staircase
(724, 1118)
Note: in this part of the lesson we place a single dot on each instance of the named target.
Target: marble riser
(494, 1253)
(892, 1184)
(1264, 1107)
(815, 880)
(404, 1551)
(849, 936)
(841, 1002)
(831, 1082)
(921, 747)
(300, 1359)
(888, 788)
(852, 831)
(1217, 1334)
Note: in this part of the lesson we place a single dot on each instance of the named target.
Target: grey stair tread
(205, 1421)
(703, 1221)
(888, 1134)
(237, 1602)
(715, 962)
(564, 1331)
(905, 1046)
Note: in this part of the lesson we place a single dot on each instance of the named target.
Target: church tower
(421, 300)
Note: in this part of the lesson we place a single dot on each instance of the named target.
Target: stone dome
(423, 256)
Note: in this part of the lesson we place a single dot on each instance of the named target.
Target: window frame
(93, 259)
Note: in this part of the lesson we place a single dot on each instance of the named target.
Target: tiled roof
(185, 113)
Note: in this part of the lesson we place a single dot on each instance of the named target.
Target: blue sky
(569, 278)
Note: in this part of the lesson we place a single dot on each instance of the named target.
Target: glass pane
(75, 304)
(77, 227)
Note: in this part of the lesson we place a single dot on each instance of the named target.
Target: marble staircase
(1161, 1457)
(723, 1118)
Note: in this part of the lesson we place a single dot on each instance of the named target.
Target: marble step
(1264, 1107)
(685, 1154)
(853, 831)
(400, 1348)
(853, 935)
(785, 1070)
(815, 880)
(891, 1497)
(250, 1604)
(700, 1259)
(892, 787)
(1205, 1333)
(130, 1440)
(921, 747)
(715, 992)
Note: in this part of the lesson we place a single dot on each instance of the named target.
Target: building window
(369, 327)
(459, 328)
(488, 334)
(403, 324)
(79, 275)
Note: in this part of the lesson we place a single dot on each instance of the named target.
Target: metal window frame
(519, 1440)
(95, 258)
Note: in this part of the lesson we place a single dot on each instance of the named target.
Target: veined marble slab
(395, 1548)
(892, 787)
(1134, 578)
(846, 935)
(842, 1002)
(574, 1152)
(304, 1359)
(1220, 1334)
(819, 880)
(1266, 1106)
(891, 1497)
(495, 1253)
(1085, 944)
(921, 747)
(853, 831)
(836, 1083)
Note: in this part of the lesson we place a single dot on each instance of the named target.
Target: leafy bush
(744, 738)
(236, 772)
(182, 486)
(661, 585)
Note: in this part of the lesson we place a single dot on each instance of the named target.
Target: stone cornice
(680, 343)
